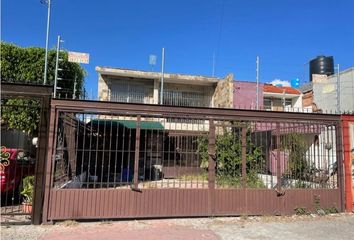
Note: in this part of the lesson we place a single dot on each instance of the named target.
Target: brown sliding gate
(116, 160)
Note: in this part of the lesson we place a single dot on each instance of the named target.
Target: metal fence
(100, 151)
(134, 157)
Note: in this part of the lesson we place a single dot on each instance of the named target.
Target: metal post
(46, 44)
(74, 91)
(56, 68)
(338, 90)
(340, 164)
(257, 80)
(137, 153)
(244, 156)
(162, 75)
(211, 166)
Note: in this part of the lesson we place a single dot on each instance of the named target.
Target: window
(267, 103)
(125, 91)
(184, 98)
(288, 102)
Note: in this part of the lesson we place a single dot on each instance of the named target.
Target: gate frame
(211, 114)
(349, 201)
(43, 94)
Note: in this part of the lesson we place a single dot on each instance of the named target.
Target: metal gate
(24, 118)
(116, 160)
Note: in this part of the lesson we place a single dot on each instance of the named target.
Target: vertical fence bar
(49, 161)
(243, 156)
(278, 157)
(39, 188)
(211, 167)
(339, 155)
(137, 151)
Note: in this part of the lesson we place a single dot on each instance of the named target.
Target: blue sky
(284, 33)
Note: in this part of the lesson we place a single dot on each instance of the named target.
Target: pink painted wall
(245, 95)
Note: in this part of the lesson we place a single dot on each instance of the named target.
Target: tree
(26, 65)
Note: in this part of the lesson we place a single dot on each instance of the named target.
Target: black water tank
(321, 65)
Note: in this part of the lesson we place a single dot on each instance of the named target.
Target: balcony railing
(189, 99)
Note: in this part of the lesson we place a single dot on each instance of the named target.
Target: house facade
(279, 98)
(270, 97)
(133, 86)
(245, 95)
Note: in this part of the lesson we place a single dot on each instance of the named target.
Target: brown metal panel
(25, 90)
(100, 201)
(223, 198)
(192, 202)
(83, 203)
(262, 201)
(305, 198)
(110, 202)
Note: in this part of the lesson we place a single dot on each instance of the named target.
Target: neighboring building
(123, 85)
(276, 98)
(322, 96)
(270, 97)
(245, 95)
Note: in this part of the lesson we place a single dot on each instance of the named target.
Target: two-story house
(134, 86)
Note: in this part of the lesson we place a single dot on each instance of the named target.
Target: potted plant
(27, 193)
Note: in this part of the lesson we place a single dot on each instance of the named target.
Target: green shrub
(229, 158)
(28, 189)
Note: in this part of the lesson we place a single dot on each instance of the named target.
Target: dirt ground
(337, 226)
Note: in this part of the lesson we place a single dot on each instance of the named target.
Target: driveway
(338, 226)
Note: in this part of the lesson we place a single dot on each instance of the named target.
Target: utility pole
(162, 75)
(74, 90)
(46, 42)
(257, 80)
(338, 90)
(57, 68)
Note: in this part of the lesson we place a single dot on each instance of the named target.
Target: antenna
(257, 80)
(162, 75)
(57, 59)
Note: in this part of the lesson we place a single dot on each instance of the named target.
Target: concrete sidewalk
(339, 226)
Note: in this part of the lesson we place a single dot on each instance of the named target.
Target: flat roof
(169, 77)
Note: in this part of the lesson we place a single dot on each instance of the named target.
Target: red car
(16, 164)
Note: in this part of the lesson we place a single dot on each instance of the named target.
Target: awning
(131, 124)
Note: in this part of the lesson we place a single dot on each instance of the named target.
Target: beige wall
(103, 91)
(223, 95)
